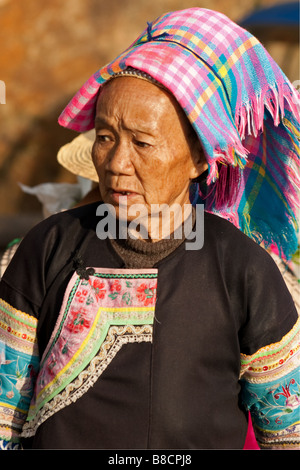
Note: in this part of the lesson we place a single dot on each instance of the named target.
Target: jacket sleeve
(21, 290)
(41, 255)
(270, 374)
(19, 363)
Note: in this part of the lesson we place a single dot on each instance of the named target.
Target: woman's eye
(141, 144)
(103, 138)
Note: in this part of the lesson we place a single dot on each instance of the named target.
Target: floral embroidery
(274, 403)
(19, 363)
(91, 308)
(117, 337)
(78, 320)
(99, 291)
(146, 294)
(292, 401)
(116, 286)
(271, 390)
(19, 385)
(98, 287)
(274, 356)
(275, 412)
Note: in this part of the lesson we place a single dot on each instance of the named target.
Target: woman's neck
(138, 253)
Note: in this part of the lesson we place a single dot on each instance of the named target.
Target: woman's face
(144, 147)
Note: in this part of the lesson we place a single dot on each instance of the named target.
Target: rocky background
(48, 50)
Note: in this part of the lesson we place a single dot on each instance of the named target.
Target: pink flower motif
(77, 321)
(146, 294)
(293, 401)
(285, 390)
(98, 287)
(81, 295)
(10, 394)
(51, 365)
(3, 359)
(116, 286)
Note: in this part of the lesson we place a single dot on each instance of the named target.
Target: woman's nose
(119, 160)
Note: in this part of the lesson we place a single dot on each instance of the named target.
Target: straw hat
(76, 156)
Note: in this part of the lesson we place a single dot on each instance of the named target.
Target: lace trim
(283, 439)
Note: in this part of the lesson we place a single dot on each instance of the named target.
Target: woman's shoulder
(84, 215)
(228, 238)
(59, 231)
(62, 224)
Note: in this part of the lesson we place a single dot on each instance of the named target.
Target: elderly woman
(143, 341)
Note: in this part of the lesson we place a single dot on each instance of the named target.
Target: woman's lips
(117, 194)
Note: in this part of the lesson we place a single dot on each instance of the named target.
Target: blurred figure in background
(56, 197)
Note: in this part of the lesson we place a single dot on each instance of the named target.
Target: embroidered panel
(287, 439)
(271, 391)
(272, 360)
(98, 315)
(9, 445)
(274, 408)
(19, 363)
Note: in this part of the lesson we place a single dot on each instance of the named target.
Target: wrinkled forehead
(138, 74)
(147, 99)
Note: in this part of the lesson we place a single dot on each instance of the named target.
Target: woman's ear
(199, 161)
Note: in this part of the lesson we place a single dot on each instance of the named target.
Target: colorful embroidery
(272, 356)
(19, 363)
(275, 410)
(117, 336)
(98, 316)
(271, 391)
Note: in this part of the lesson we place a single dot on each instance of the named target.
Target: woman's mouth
(123, 193)
(117, 194)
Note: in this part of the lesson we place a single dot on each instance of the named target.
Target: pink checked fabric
(233, 94)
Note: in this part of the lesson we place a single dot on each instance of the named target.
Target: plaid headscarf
(242, 107)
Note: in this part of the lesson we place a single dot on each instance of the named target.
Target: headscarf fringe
(235, 156)
(249, 118)
(282, 239)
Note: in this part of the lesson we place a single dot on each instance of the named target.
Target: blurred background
(49, 49)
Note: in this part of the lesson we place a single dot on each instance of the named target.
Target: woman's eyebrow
(103, 122)
(100, 121)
